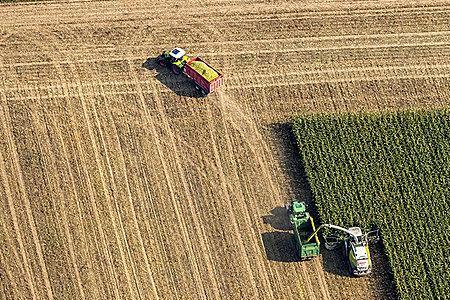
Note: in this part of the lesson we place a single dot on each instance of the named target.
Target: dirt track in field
(117, 182)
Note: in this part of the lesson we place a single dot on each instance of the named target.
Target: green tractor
(304, 227)
(176, 59)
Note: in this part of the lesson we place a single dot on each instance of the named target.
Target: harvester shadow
(334, 261)
(278, 219)
(179, 84)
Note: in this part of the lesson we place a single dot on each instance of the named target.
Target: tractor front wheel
(176, 70)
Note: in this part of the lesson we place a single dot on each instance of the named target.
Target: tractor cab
(175, 59)
(357, 234)
(298, 210)
(177, 54)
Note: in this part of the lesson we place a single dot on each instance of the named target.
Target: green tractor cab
(303, 225)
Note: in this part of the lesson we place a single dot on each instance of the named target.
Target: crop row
(391, 171)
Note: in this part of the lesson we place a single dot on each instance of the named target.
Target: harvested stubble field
(117, 182)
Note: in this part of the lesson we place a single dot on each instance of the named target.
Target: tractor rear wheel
(161, 62)
(201, 90)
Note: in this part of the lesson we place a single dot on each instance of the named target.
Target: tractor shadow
(279, 245)
(278, 219)
(179, 84)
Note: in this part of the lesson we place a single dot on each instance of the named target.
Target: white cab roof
(177, 53)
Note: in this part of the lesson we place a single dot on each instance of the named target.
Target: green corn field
(391, 171)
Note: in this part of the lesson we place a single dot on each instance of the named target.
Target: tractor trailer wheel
(201, 90)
